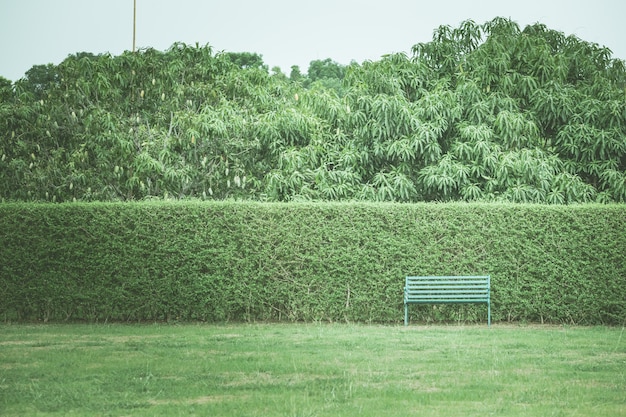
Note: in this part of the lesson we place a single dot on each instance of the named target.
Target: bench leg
(406, 314)
(488, 314)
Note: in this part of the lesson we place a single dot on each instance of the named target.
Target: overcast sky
(285, 32)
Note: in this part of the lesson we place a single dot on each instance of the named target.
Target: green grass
(311, 370)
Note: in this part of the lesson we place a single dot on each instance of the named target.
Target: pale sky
(285, 32)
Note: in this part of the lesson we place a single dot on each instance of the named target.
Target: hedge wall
(239, 261)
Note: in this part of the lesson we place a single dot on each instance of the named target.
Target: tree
(38, 79)
(295, 75)
(246, 59)
(6, 90)
(327, 68)
(481, 112)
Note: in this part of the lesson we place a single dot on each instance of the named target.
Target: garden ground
(311, 370)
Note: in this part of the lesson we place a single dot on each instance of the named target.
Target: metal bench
(447, 290)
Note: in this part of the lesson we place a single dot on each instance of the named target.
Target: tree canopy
(481, 112)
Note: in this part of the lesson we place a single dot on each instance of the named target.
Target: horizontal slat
(445, 287)
(485, 301)
(447, 277)
(444, 292)
(472, 282)
(445, 296)
(412, 284)
(448, 297)
(415, 300)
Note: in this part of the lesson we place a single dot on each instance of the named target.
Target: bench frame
(447, 290)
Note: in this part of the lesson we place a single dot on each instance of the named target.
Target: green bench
(447, 290)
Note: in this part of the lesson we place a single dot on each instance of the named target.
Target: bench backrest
(454, 289)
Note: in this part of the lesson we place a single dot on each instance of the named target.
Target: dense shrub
(239, 261)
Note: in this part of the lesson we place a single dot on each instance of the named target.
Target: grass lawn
(311, 370)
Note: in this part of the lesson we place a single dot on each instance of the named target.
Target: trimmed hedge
(222, 261)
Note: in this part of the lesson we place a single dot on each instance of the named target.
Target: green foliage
(223, 261)
(245, 59)
(6, 92)
(487, 112)
(327, 68)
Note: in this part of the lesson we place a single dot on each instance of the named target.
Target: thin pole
(134, 22)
